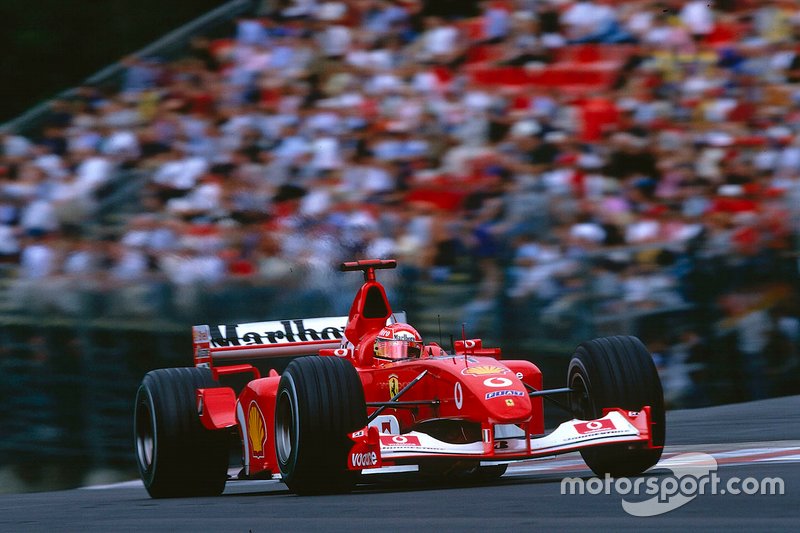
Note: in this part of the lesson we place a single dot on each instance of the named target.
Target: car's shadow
(413, 482)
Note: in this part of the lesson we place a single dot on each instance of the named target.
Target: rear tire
(617, 372)
(175, 454)
(320, 401)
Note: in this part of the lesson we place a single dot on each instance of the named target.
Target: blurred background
(545, 171)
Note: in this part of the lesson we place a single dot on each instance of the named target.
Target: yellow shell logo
(256, 430)
(394, 386)
(484, 370)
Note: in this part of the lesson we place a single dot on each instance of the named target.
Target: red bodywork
(466, 395)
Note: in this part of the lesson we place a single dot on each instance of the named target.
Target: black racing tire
(320, 401)
(617, 372)
(176, 455)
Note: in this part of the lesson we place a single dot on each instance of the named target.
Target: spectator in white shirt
(698, 17)
(39, 215)
(334, 40)
(38, 260)
(440, 41)
(129, 263)
(180, 171)
(93, 172)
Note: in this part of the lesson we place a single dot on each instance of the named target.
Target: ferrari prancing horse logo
(394, 386)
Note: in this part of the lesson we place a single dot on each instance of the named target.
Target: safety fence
(72, 355)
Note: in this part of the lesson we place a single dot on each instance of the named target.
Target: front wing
(372, 449)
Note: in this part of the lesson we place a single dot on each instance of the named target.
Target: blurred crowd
(564, 155)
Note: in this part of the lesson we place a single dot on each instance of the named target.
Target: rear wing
(278, 338)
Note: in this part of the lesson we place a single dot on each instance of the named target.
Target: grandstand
(544, 171)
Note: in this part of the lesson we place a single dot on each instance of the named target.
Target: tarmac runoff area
(756, 440)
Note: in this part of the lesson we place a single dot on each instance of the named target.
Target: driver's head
(396, 342)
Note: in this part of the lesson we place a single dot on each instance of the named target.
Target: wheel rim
(145, 436)
(580, 402)
(285, 430)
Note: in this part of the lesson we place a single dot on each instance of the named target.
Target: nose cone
(505, 402)
(503, 396)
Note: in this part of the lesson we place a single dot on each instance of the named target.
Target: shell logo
(484, 370)
(256, 430)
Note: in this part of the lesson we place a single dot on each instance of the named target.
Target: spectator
(516, 145)
(38, 259)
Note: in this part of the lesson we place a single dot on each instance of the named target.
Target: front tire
(617, 372)
(320, 401)
(176, 455)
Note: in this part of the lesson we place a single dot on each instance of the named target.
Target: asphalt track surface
(756, 439)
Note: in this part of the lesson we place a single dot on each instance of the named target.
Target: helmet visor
(395, 350)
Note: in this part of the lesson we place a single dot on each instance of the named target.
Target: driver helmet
(396, 342)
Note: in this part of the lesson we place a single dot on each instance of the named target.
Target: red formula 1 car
(376, 398)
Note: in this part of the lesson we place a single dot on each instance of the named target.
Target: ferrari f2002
(366, 394)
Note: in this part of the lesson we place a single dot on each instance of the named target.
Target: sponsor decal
(394, 386)
(484, 370)
(519, 375)
(399, 440)
(200, 334)
(284, 331)
(399, 335)
(458, 395)
(499, 393)
(386, 424)
(595, 425)
(469, 343)
(363, 459)
(497, 382)
(487, 435)
(341, 352)
(358, 434)
(501, 445)
(633, 414)
(509, 402)
(202, 354)
(256, 430)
